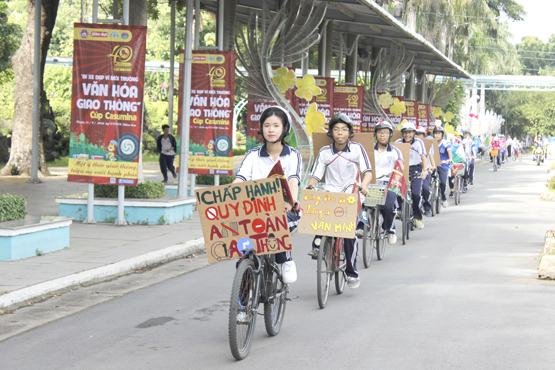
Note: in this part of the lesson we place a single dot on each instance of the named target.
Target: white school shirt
(339, 169)
(257, 164)
(417, 150)
(385, 161)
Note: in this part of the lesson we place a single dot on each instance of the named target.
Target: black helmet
(340, 118)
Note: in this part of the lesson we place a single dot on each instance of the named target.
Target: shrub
(145, 190)
(551, 183)
(209, 179)
(12, 207)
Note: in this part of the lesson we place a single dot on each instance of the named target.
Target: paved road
(462, 295)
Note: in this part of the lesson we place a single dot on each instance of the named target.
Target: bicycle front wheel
(367, 244)
(276, 299)
(242, 310)
(378, 240)
(323, 271)
(340, 279)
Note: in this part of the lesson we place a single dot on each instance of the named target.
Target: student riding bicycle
(385, 156)
(458, 155)
(275, 125)
(418, 169)
(426, 192)
(341, 165)
(445, 159)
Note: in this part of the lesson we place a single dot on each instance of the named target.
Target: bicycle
(257, 280)
(373, 237)
(406, 218)
(494, 153)
(458, 173)
(331, 263)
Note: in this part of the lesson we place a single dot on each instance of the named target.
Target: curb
(546, 267)
(99, 274)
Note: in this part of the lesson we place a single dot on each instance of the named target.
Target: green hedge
(209, 179)
(145, 190)
(12, 207)
(551, 183)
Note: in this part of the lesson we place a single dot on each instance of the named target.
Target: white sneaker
(392, 239)
(242, 317)
(289, 272)
(419, 224)
(444, 204)
(353, 282)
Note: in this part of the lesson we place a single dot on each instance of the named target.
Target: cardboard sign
(238, 218)
(329, 214)
(320, 140)
(405, 150)
(432, 143)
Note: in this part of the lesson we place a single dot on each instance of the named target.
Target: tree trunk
(138, 13)
(22, 61)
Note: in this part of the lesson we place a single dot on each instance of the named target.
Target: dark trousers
(166, 163)
(388, 212)
(350, 246)
(443, 175)
(416, 190)
(293, 219)
(426, 193)
(471, 164)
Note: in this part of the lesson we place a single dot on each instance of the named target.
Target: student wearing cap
(418, 169)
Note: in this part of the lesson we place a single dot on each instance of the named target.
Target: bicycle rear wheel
(378, 240)
(367, 252)
(404, 224)
(323, 271)
(276, 299)
(434, 198)
(457, 189)
(242, 310)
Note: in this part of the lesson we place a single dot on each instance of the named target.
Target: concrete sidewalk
(97, 251)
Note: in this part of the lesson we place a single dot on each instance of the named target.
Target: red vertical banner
(255, 107)
(411, 113)
(423, 115)
(349, 99)
(106, 103)
(369, 120)
(324, 100)
(212, 102)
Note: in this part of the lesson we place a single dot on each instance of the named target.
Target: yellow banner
(102, 168)
(212, 163)
(102, 34)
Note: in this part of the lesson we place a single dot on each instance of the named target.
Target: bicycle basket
(376, 195)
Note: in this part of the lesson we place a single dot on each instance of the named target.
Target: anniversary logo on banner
(243, 217)
(411, 113)
(324, 100)
(424, 115)
(212, 102)
(330, 214)
(107, 103)
(349, 99)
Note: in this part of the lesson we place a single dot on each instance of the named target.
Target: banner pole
(186, 103)
(172, 65)
(220, 34)
(121, 189)
(36, 97)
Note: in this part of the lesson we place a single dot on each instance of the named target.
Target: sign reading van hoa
(107, 103)
(243, 217)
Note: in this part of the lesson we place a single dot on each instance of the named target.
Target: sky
(538, 20)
